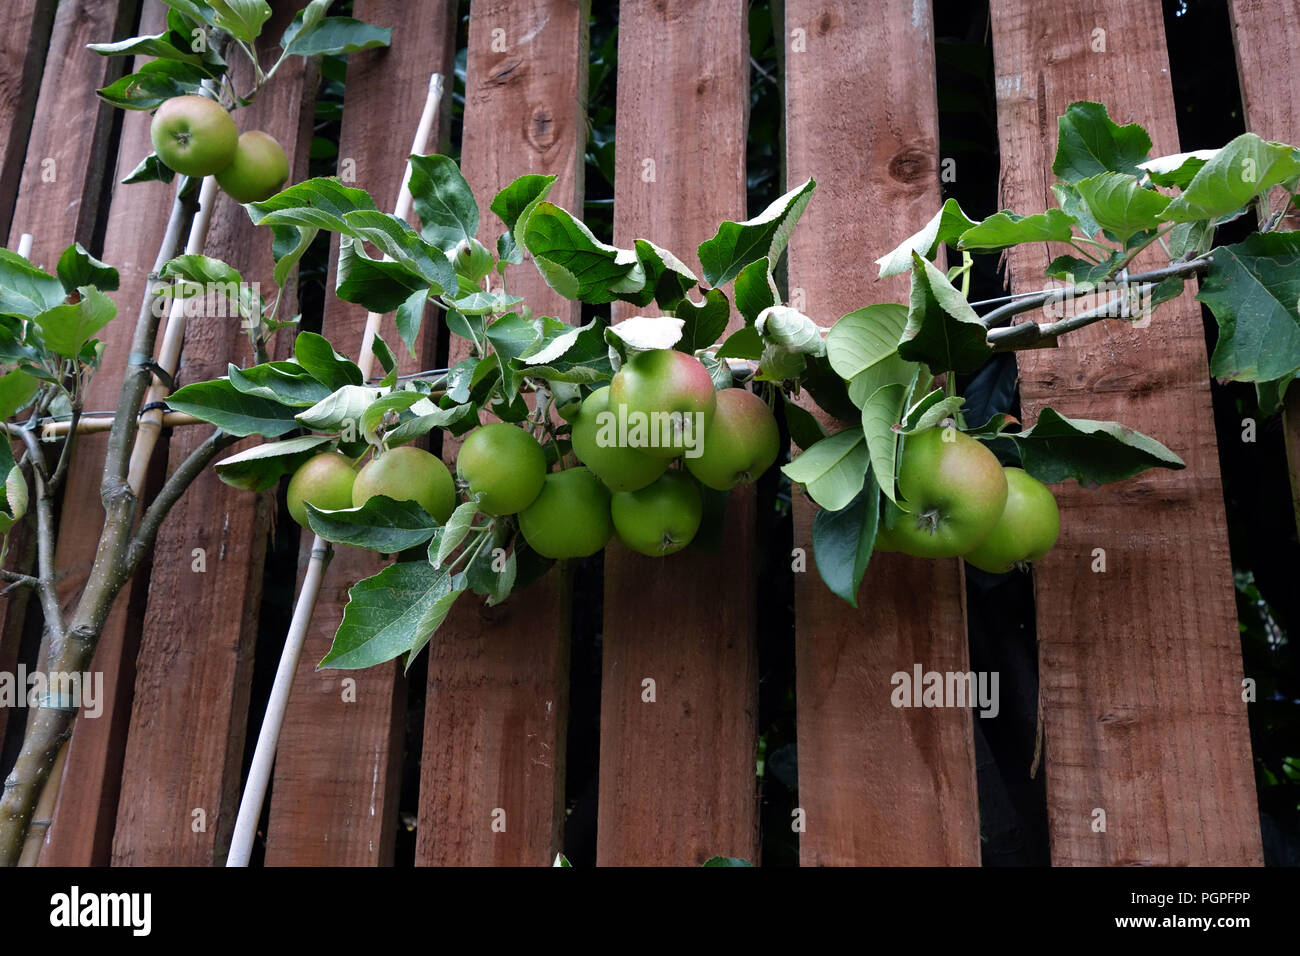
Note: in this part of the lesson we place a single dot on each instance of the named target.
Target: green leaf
(1082, 272)
(397, 240)
(583, 360)
(66, 328)
(219, 403)
(737, 244)
(1252, 288)
(574, 263)
(1272, 395)
(667, 278)
(947, 225)
(833, 470)
(320, 203)
(25, 290)
(458, 527)
(726, 861)
(930, 411)
(513, 202)
(1089, 142)
(755, 290)
(1120, 205)
(261, 467)
(422, 424)
(744, 343)
(376, 284)
(242, 19)
(333, 36)
(881, 413)
(703, 323)
(381, 524)
(150, 170)
(343, 407)
(805, 430)
(1245, 168)
(481, 576)
(842, 541)
(443, 201)
(1092, 453)
(165, 46)
(315, 353)
(862, 348)
(1187, 240)
(942, 330)
(16, 390)
(646, 332)
(77, 268)
(374, 414)
(153, 84)
(1177, 170)
(1005, 229)
(409, 317)
(485, 303)
(391, 613)
(285, 382)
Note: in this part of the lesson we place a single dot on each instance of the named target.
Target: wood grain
(677, 775)
(1266, 35)
(24, 42)
(1140, 666)
(337, 769)
(879, 784)
(190, 711)
(82, 829)
(496, 711)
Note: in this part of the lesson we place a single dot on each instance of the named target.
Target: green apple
(740, 444)
(595, 435)
(503, 465)
(407, 473)
(194, 135)
(1027, 529)
(954, 489)
(662, 517)
(664, 400)
(258, 171)
(324, 480)
(570, 518)
(471, 260)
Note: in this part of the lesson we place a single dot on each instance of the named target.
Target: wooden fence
(1140, 666)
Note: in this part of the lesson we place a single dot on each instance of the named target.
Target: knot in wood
(910, 166)
(541, 129)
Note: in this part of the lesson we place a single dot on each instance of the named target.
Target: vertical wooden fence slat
(337, 768)
(677, 775)
(1140, 665)
(497, 705)
(63, 178)
(1266, 35)
(879, 784)
(190, 710)
(82, 829)
(24, 42)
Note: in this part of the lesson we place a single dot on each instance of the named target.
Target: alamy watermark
(633, 429)
(922, 688)
(212, 300)
(58, 690)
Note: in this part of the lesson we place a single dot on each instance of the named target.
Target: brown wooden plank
(337, 769)
(82, 827)
(24, 42)
(186, 740)
(63, 178)
(1141, 665)
(497, 703)
(677, 776)
(1268, 70)
(879, 784)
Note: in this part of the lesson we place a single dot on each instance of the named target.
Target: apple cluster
(722, 439)
(959, 501)
(195, 136)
